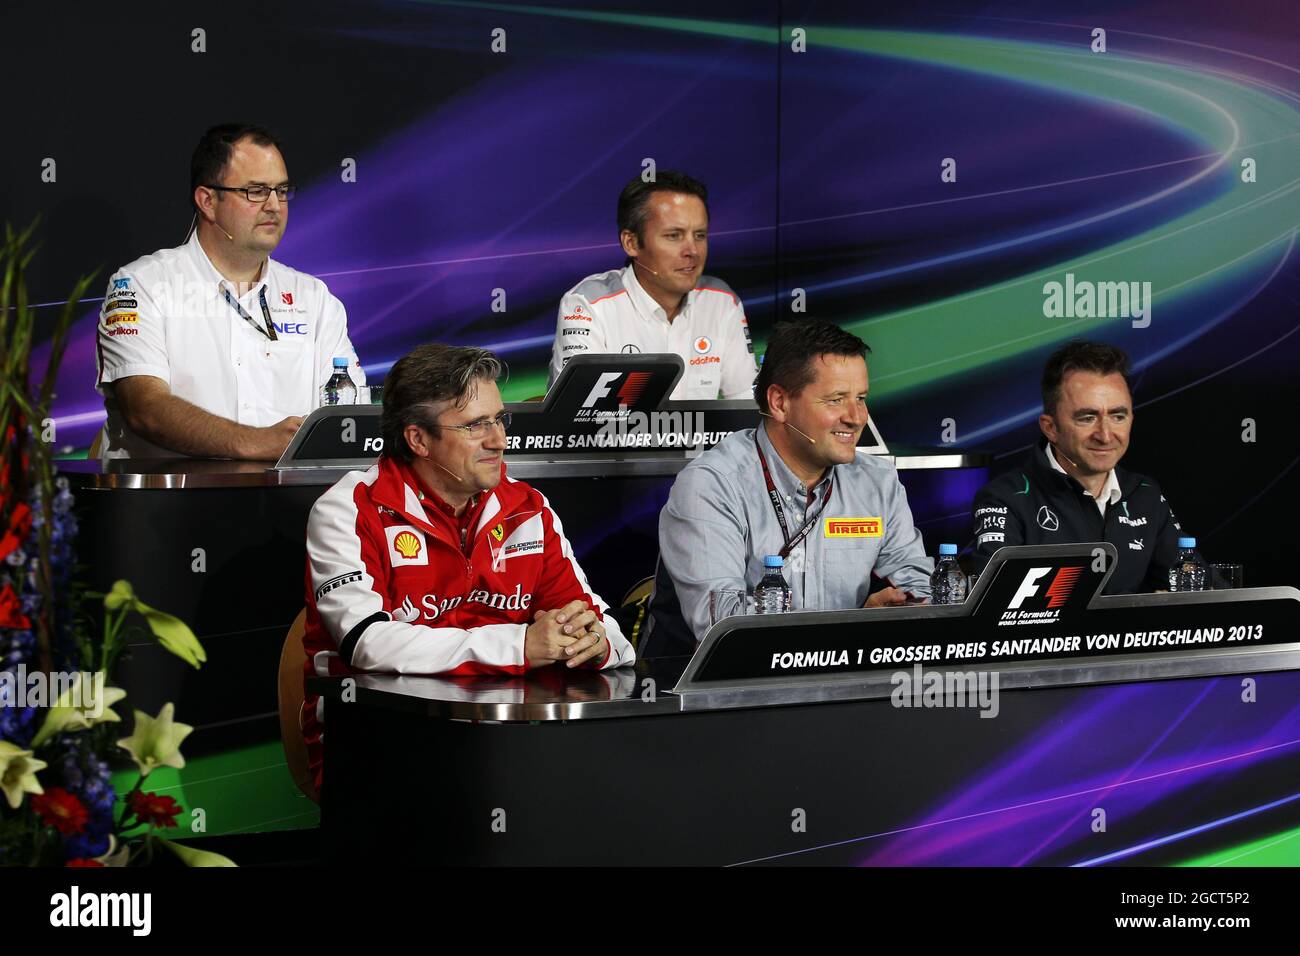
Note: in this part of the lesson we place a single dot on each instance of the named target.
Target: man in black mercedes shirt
(1070, 488)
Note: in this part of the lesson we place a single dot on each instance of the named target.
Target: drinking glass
(1226, 577)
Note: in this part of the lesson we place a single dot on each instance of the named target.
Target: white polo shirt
(611, 312)
(164, 315)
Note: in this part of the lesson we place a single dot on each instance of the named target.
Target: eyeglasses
(479, 429)
(259, 194)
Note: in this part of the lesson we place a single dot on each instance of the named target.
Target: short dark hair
(790, 352)
(634, 200)
(212, 155)
(427, 376)
(1080, 356)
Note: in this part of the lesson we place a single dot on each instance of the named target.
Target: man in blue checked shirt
(794, 486)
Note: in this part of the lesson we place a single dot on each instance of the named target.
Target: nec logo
(1057, 594)
(627, 395)
(290, 328)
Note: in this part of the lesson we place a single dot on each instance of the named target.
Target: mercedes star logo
(1047, 519)
(630, 348)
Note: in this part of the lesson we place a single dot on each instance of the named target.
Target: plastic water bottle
(1188, 572)
(772, 596)
(339, 390)
(948, 583)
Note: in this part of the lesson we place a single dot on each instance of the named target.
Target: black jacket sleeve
(1168, 531)
(994, 523)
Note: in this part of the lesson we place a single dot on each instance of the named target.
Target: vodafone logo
(703, 344)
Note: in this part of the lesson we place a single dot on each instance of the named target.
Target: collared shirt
(1110, 493)
(719, 524)
(435, 504)
(165, 316)
(612, 312)
(1034, 503)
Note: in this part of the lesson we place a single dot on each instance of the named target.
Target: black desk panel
(1120, 755)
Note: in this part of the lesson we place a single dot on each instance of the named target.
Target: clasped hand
(573, 634)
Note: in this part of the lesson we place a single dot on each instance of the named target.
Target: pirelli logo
(337, 582)
(855, 527)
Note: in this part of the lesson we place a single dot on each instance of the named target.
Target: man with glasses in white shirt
(213, 349)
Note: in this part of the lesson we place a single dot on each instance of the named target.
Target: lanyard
(269, 329)
(775, 498)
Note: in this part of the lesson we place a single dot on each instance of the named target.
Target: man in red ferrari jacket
(435, 561)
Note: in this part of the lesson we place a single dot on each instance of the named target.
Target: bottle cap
(340, 362)
(947, 549)
(773, 561)
(1186, 542)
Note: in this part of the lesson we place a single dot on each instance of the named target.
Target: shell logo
(702, 344)
(407, 545)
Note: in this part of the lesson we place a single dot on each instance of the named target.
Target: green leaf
(192, 857)
(173, 634)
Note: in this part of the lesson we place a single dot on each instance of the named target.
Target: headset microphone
(449, 471)
(788, 425)
(635, 261)
(1060, 454)
(194, 223)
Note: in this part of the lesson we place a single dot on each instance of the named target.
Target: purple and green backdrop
(1173, 157)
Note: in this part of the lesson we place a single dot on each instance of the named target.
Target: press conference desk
(1140, 756)
(580, 769)
(221, 545)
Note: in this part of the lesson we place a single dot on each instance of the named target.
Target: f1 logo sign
(1062, 585)
(602, 387)
(1028, 587)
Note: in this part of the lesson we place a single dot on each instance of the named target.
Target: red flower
(59, 809)
(20, 523)
(83, 863)
(10, 615)
(151, 808)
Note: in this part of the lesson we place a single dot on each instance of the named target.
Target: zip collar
(392, 490)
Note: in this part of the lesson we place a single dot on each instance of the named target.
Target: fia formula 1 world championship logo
(1045, 604)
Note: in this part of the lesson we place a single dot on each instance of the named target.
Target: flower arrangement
(58, 737)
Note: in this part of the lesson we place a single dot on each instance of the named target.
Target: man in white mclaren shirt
(213, 349)
(660, 301)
